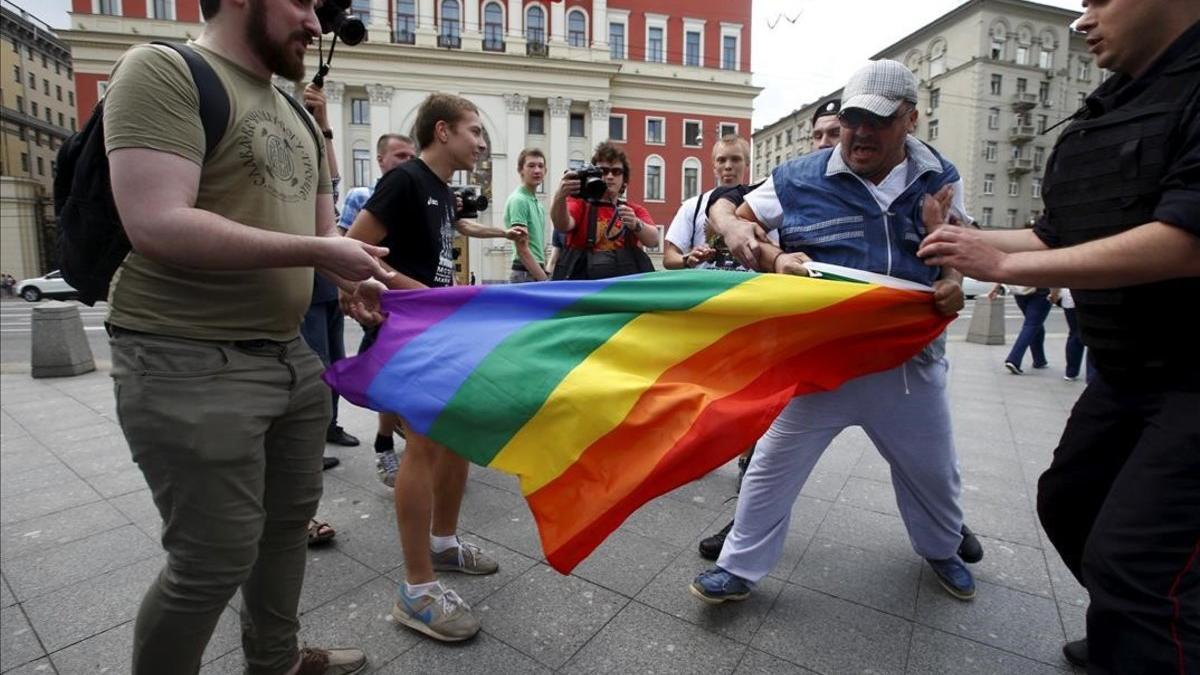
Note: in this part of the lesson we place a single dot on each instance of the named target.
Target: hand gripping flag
(602, 395)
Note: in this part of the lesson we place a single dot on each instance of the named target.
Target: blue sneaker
(954, 576)
(716, 586)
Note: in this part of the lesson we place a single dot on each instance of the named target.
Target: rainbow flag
(602, 395)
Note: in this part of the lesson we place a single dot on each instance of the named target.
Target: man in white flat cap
(862, 204)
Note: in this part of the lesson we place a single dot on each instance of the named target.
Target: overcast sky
(813, 48)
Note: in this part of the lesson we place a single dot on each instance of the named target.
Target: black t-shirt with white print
(417, 208)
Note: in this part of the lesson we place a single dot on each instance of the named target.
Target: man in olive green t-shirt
(220, 400)
(523, 209)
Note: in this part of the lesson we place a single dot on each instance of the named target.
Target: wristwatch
(327, 133)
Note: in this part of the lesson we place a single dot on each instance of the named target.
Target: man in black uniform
(1121, 499)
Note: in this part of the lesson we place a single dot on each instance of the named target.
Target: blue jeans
(1074, 344)
(1033, 332)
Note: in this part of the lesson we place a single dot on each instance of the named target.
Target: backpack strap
(214, 101)
(696, 213)
(308, 121)
(593, 214)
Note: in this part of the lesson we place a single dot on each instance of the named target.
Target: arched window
(451, 25)
(999, 36)
(493, 27)
(406, 21)
(577, 28)
(535, 24)
(654, 178)
(691, 177)
(937, 57)
(1048, 42)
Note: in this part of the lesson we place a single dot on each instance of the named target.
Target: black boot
(970, 550)
(710, 547)
(1076, 652)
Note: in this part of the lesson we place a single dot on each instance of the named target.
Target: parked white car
(50, 286)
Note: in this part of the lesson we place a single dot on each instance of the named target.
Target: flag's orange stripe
(672, 436)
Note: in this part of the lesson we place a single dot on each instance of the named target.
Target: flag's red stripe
(626, 468)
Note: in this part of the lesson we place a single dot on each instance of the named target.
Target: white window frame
(656, 21)
(1083, 70)
(990, 150)
(646, 131)
(989, 183)
(934, 130)
(503, 19)
(119, 10)
(993, 118)
(587, 28)
(693, 26)
(1014, 187)
(170, 10)
(1035, 188)
(691, 163)
(1010, 219)
(620, 16)
(525, 20)
(657, 160)
(986, 215)
(722, 125)
(624, 127)
(734, 30)
(683, 139)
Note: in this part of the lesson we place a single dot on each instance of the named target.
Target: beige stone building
(37, 113)
(995, 77)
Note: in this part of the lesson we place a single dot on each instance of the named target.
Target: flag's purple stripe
(410, 314)
(461, 341)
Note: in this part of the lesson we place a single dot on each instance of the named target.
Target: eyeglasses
(855, 118)
(612, 170)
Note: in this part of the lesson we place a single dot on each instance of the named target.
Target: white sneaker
(386, 465)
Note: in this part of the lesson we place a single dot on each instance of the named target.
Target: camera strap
(591, 233)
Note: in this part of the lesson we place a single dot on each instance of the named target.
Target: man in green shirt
(523, 209)
(220, 400)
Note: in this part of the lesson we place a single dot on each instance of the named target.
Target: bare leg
(413, 497)
(450, 471)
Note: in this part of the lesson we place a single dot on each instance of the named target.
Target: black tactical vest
(1104, 177)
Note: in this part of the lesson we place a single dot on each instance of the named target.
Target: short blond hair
(733, 139)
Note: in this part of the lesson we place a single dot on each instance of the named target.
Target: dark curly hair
(610, 153)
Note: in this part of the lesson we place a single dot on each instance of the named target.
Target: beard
(278, 57)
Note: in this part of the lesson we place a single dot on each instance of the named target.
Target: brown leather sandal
(319, 532)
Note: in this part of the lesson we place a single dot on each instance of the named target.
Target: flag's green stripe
(523, 370)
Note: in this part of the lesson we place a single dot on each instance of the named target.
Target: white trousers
(906, 415)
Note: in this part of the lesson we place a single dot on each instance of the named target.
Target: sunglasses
(612, 170)
(855, 118)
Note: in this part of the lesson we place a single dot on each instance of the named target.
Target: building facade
(38, 106)
(663, 78)
(995, 77)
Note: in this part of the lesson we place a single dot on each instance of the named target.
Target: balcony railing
(1024, 100)
(450, 41)
(537, 49)
(1022, 133)
(1019, 165)
(493, 45)
(406, 30)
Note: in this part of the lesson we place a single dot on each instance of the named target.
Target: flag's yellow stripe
(599, 393)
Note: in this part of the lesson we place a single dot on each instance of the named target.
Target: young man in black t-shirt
(413, 211)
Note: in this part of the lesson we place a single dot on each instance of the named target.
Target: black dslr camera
(335, 17)
(472, 203)
(591, 183)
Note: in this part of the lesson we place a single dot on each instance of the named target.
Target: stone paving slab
(79, 544)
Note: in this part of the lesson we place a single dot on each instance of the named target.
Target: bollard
(60, 346)
(987, 323)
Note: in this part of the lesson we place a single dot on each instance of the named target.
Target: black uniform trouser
(1121, 503)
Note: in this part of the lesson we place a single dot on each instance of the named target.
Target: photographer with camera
(413, 211)
(605, 233)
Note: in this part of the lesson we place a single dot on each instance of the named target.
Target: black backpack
(91, 241)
